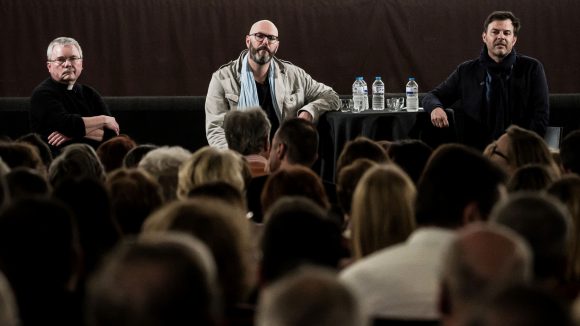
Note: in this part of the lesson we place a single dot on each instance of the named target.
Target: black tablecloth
(337, 128)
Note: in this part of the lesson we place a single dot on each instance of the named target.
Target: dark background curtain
(171, 47)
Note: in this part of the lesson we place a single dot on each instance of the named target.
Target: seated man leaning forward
(258, 78)
(496, 90)
(63, 111)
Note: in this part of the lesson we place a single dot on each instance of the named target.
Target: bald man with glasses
(63, 111)
(259, 78)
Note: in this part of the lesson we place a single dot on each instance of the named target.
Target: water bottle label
(378, 89)
(358, 89)
(365, 90)
(411, 91)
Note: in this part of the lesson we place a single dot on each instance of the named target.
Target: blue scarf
(249, 93)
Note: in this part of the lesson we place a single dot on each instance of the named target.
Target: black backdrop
(171, 47)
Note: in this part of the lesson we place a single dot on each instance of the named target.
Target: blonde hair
(210, 164)
(383, 211)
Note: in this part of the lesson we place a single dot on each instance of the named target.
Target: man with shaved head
(259, 78)
(482, 259)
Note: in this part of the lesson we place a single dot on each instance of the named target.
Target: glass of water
(346, 105)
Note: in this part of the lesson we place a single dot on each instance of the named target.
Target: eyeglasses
(260, 38)
(62, 60)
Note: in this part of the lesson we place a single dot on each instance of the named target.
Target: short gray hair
(248, 131)
(62, 41)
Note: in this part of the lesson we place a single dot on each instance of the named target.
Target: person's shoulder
(46, 88)
(524, 59)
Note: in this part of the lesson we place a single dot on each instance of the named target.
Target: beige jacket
(295, 91)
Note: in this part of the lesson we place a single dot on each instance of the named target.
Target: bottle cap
(378, 78)
(411, 78)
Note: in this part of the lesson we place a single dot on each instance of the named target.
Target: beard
(259, 58)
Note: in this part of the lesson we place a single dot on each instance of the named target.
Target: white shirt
(402, 281)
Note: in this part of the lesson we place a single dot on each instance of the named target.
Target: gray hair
(163, 164)
(62, 41)
(248, 131)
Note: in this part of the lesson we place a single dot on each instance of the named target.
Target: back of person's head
(411, 155)
(220, 190)
(347, 181)
(89, 201)
(546, 224)
(457, 176)
(42, 147)
(567, 190)
(39, 255)
(25, 182)
(297, 232)
(522, 305)
(295, 142)
(160, 279)
(134, 195)
(383, 211)
(8, 306)
(76, 160)
(308, 296)
(223, 228)
(482, 259)
(530, 177)
(247, 131)
(113, 151)
(210, 164)
(294, 181)
(16, 154)
(135, 154)
(525, 146)
(569, 153)
(360, 147)
(163, 164)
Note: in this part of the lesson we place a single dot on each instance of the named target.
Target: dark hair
(360, 147)
(411, 155)
(347, 180)
(113, 151)
(455, 176)
(301, 140)
(247, 132)
(570, 153)
(25, 182)
(502, 15)
(134, 156)
(531, 177)
(43, 148)
(220, 190)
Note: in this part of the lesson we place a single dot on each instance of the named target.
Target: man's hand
(305, 115)
(439, 118)
(56, 138)
(112, 124)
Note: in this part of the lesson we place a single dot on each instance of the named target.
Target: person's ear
(471, 213)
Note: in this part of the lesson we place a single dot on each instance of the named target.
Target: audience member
(383, 211)
(360, 147)
(113, 151)
(569, 153)
(546, 224)
(481, 260)
(220, 190)
(63, 111)
(134, 196)
(531, 177)
(459, 186)
(75, 161)
(567, 190)
(43, 148)
(135, 154)
(224, 229)
(308, 296)
(254, 80)
(248, 133)
(40, 257)
(522, 305)
(517, 147)
(411, 155)
(346, 183)
(160, 279)
(294, 181)
(163, 164)
(25, 182)
(8, 307)
(210, 164)
(21, 155)
(298, 232)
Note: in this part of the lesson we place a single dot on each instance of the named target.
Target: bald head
(264, 27)
(482, 259)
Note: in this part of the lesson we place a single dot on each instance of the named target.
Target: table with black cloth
(337, 128)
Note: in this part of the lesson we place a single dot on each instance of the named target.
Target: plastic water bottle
(357, 95)
(366, 95)
(378, 94)
(412, 90)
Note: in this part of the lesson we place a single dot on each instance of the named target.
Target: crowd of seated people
(145, 234)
